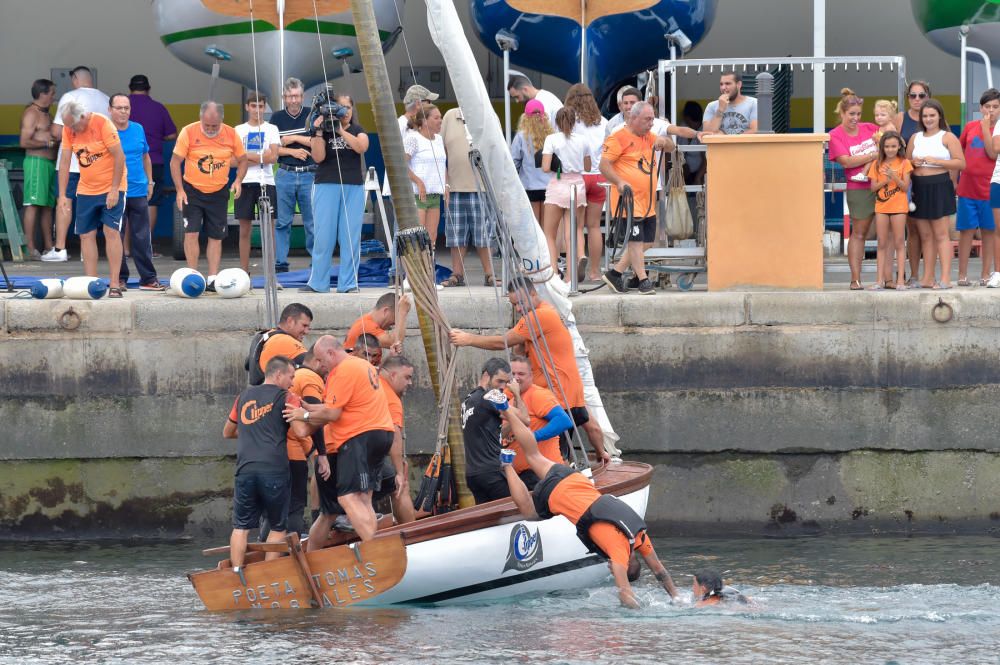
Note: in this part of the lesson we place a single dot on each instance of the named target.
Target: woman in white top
(592, 125)
(937, 158)
(573, 152)
(425, 157)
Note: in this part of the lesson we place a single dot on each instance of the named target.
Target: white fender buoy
(187, 283)
(85, 288)
(232, 283)
(47, 289)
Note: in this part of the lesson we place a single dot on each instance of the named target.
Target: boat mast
(413, 242)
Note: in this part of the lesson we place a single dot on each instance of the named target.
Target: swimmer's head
(707, 583)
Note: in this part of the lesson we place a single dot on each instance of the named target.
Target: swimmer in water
(709, 589)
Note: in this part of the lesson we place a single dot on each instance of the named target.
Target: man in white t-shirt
(93, 101)
(261, 141)
(521, 91)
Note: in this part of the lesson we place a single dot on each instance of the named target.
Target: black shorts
(359, 461)
(261, 492)
(158, 184)
(247, 206)
(299, 494)
(536, 195)
(386, 483)
(488, 486)
(327, 489)
(643, 229)
(206, 210)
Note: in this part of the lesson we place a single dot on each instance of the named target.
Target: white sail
(487, 136)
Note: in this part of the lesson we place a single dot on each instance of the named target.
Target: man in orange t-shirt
(540, 320)
(386, 314)
(605, 524)
(629, 162)
(100, 194)
(396, 377)
(293, 326)
(206, 149)
(546, 419)
(358, 429)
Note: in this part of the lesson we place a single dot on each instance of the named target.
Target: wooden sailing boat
(476, 552)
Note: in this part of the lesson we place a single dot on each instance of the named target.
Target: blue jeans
(292, 188)
(338, 221)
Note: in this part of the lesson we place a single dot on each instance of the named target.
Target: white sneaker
(55, 255)
(994, 281)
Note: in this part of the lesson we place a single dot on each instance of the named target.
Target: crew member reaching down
(386, 314)
(604, 523)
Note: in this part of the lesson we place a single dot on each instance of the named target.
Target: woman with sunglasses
(908, 123)
(852, 145)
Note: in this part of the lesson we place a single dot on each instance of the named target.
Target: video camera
(332, 112)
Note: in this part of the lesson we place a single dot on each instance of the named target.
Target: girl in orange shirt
(890, 178)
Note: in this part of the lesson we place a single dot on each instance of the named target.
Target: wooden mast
(414, 249)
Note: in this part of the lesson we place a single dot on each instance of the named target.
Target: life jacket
(255, 375)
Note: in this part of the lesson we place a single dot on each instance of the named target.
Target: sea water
(816, 600)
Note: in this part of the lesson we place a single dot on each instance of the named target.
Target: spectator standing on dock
(733, 112)
(428, 172)
(91, 100)
(521, 90)
(890, 178)
(567, 154)
(206, 148)
(974, 211)
(593, 127)
(338, 199)
(262, 485)
(908, 122)
(100, 192)
(629, 162)
(627, 98)
(937, 158)
(294, 180)
(261, 142)
(39, 166)
(140, 187)
(526, 150)
(465, 221)
(160, 128)
(852, 145)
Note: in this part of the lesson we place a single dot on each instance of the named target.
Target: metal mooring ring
(69, 320)
(942, 312)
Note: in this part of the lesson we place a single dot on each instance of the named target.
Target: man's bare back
(36, 124)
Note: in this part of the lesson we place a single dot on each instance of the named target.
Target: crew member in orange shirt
(100, 195)
(293, 326)
(604, 523)
(542, 414)
(366, 347)
(358, 429)
(386, 314)
(206, 149)
(629, 162)
(541, 320)
(396, 376)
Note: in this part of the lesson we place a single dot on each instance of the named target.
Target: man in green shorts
(39, 165)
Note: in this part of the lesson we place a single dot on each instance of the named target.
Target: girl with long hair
(526, 149)
(591, 124)
(573, 152)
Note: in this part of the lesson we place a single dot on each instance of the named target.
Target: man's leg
(46, 221)
(213, 252)
(246, 228)
(28, 216)
(285, 211)
(303, 195)
(358, 507)
(142, 244)
(349, 236)
(65, 217)
(319, 532)
(113, 246)
(192, 250)
(238, 546)
(326, 202)
(88, 250)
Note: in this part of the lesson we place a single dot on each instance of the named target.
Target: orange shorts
(614, 543)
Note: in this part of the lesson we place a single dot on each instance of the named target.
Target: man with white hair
(296, 170)
(93, 101)
(206, 148)
(94, 141)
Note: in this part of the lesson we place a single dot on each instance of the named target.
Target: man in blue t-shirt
(140, 186)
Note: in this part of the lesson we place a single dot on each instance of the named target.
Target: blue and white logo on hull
(525, 549)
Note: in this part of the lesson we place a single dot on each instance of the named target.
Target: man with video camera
(338, 146)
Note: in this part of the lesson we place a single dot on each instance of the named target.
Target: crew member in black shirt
(481, 432)
(294, 179)
(262, 479)
(338, 147)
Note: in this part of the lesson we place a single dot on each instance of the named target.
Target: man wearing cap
(521, 91)
(296, 170)
(159, 128)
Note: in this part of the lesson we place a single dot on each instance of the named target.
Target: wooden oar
(299, 557)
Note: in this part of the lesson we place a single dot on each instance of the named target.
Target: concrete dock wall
(762, 412)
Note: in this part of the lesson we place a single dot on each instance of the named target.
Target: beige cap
(416, 93)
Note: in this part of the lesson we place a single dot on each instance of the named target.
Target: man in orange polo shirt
(605, 524)
(386, 314)
(100, 194)
(540, 320)
(206, 149)
(396, 376)
(293, 326)
(358, 429)
(546, 419)
(629, 162)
